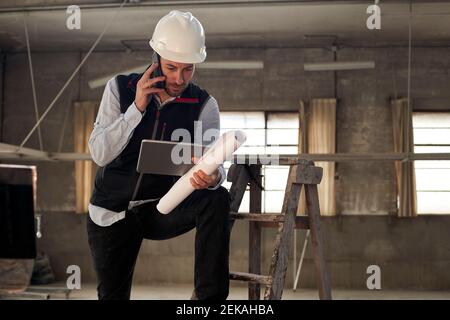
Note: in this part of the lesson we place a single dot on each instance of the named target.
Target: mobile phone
(158, 71)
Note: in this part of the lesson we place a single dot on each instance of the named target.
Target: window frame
(264, 167)
(420, 111)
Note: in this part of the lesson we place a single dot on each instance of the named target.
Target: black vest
(115, 182)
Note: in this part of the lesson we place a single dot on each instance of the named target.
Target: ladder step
(250, 277)
(257, 216)
(270, 220)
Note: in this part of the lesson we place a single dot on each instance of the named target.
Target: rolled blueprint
(215, 156)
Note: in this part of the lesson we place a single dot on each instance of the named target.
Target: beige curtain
(84, 118)
(405, 175)
(318, 135)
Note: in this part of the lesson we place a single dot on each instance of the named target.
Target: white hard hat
(179, 37)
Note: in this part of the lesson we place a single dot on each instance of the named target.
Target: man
(122, 210)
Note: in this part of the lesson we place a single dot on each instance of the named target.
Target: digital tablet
(167, 157)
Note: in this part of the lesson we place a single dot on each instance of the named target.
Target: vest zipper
(155, 127)
(163, 131)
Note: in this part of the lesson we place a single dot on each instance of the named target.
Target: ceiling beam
(200, 3)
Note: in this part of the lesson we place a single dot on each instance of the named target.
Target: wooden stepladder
(301, 174)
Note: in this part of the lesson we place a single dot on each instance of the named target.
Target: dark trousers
(115, 248)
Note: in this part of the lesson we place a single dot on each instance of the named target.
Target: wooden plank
(286, 159)
(300, 223)
(49, 290)
(24, 296)
(310, 175)
(250, 277)
(291, 178)
(8, 151)
(322, 276)
(40, 288)
(254, 290)
(69, 156)
(283, 242)
(257, 217)
(278, 254)
(270, 220)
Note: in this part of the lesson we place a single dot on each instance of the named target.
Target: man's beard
(176, 93)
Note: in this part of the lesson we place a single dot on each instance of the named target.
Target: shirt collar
(165, 102)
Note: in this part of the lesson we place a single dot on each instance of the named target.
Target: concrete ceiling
(227, 23)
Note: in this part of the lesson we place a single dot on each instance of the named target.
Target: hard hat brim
(179, 57)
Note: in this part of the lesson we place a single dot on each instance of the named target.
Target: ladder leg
(283, 242)
(254, 289)
(313, 209)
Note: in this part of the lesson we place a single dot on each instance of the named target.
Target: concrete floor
(237, 292)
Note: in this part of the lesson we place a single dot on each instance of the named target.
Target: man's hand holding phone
(146, 87)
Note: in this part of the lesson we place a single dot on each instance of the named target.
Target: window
(267, 133)
(432, 135)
